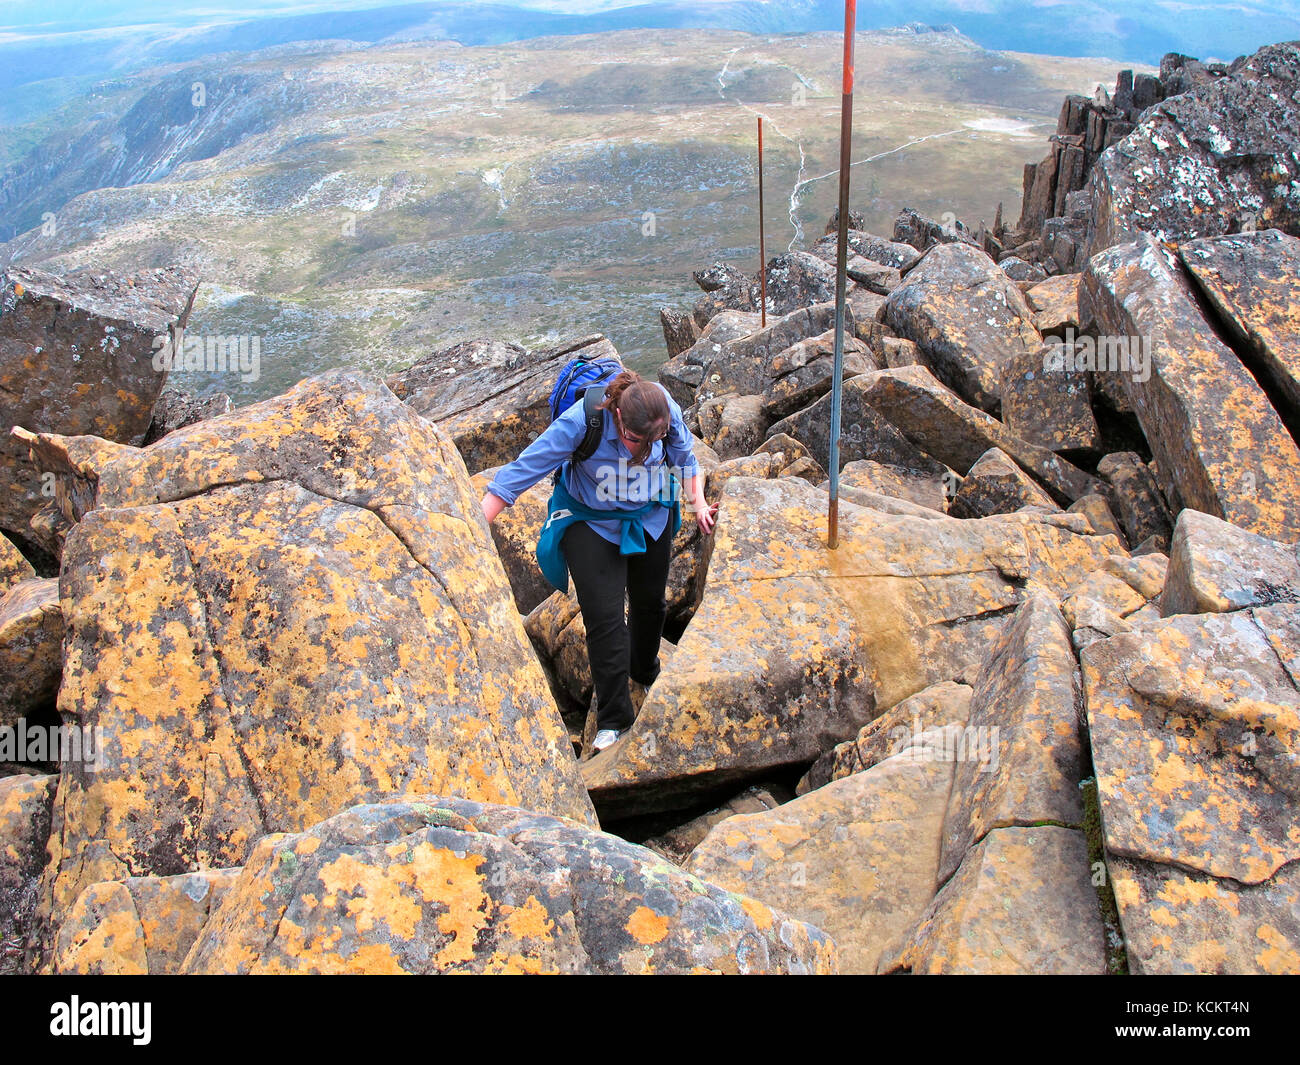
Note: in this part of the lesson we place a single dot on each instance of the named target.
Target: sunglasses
(633, 438)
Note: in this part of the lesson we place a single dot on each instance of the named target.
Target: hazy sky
(64, 15)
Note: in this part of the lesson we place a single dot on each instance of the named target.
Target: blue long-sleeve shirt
(607, 480)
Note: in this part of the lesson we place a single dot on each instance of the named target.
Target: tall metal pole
(841, 270)
(762, 243)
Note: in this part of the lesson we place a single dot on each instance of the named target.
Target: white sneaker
(606, 737)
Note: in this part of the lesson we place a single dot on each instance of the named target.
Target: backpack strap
(591, 400)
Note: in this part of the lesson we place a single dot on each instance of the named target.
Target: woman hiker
(612, 521)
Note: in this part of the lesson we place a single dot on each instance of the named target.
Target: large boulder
(449, 886)
(1213, 160)
(1024, 759)
(25, 803)
(865, 434)
(857, 858)
(1020, 904)
(967, 317)
(77, 355)
(490, 397)
(937, 422)
(279, 613)
(794, 646)
(795, 279)
(1215, 567)
(890, 253)
(804, 372)
(31, 647)
(1046, 405)
(682, 374)
(745, 364)
(1219, 445)
(1252, 280)
(996, 485)
(1194, 730)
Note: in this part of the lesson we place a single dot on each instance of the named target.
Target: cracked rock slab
(276, 614)
(435, 885)
(1219, 445)
(141, 925)
(857, 858)
(968, 318)
(1021, 903)
(1022, 757)
(1195, 728)
(794, 646)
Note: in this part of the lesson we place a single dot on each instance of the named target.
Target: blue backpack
(584, 379)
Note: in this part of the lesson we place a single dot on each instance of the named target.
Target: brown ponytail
(643, 408)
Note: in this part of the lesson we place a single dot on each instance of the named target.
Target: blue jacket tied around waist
(563, 510)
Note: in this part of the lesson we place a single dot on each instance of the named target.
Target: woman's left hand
(706, 516)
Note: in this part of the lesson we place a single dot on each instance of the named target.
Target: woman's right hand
(492, 506)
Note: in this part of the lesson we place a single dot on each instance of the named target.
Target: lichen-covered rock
(968, 318)
(857, 858)
(1194, 729)
(1134, 497)
(684, 372)
(1097, 511)
(1253, 281)
(491, 398)
(77, 356)
(934, 420)
(913, 228)
(1219, 445)
(13, 566)
(450, 886)
(1048, 406)
(996, 485)
(1215, 567)
(804, 372)
(935, 707)
(276, 614)
(31, 647)
(733, 425)
(1021, 903)
(1027, 760)
(795, 279)
(176, 409)
(1055, 303)
(1208, 161)
(141, 925)
(747, 364)
(25, 802)
(925, 486)
(725, 289)
(794, 646)
(868, 246)
(899, 352)
(864, 433)
(1181, 922)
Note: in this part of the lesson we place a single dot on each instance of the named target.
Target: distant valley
(363, 205)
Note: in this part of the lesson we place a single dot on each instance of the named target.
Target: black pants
(616, 648)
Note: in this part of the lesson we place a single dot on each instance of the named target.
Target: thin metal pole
(841, 271)
(762, 243)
